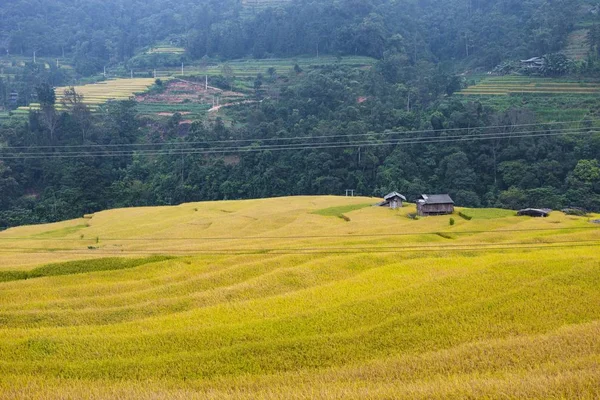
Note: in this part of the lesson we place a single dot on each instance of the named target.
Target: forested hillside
(396, 125)
(97, 33)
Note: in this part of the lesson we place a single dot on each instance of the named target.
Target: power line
(373, 235)
(189, 145)
(253, 149)
(309, 137)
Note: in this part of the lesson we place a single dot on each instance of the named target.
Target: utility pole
(57, 65)
(206, 84)
(182, 169)
(415, 56)
(181, 69)
(131, 74)
(155, 74)
(105, 71)
(34, 56)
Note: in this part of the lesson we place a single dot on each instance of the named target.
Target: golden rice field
(101, 92)
(300, 298)
(499, 86)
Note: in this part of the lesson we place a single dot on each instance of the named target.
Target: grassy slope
(509, 322)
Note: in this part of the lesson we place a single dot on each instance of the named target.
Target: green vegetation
(78, 267)
(62, 232)
(485, 213)
(341, 210)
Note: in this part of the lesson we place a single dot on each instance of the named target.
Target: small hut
(533, 63)
(535, 212)
(13, 99)
(392, 200)
(434, 204)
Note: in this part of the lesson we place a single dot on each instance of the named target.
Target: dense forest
(98, 33)
(395, 126)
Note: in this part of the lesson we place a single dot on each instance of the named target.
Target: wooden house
(393, 200)
(435, 204)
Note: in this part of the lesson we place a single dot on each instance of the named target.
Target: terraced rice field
(250, 67)
(101, 92)
(166, 49)
(502, 86)
(282, 298)
(577, 45)
(261, 4)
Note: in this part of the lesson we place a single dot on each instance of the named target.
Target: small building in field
(533, 63)
(13, 99)
(434, 204)
(535, 212)
(393, 200)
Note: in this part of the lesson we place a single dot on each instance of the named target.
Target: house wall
(395, 203)
(435, 209)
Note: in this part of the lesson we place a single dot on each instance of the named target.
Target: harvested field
(101, 92)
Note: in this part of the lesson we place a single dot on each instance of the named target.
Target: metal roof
(535, 211)
(437, 199)
(533, 59)
(394, 194)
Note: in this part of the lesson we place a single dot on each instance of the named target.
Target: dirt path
(237, 103)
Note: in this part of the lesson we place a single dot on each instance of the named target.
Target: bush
(452, 221)
(576, 211)
(465, 216)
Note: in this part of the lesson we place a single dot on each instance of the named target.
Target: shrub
(452, 222)
(465, 216)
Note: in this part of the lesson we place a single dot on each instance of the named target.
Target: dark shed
(535, 212)
(435, 204)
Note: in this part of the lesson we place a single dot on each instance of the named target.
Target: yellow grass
(280, 298)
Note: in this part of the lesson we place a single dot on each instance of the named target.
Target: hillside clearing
(270, 299)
